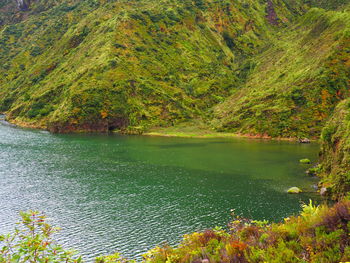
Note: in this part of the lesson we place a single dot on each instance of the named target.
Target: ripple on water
(129, 194)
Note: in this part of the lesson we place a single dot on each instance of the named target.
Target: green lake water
(130, 193)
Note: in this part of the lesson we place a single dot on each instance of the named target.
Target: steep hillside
(295, 84)
(335, 153)
(259, 67)
(97, 65)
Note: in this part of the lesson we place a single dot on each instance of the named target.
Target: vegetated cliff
(335, 153)
(297, 82)
(97, 65)
(248, 66)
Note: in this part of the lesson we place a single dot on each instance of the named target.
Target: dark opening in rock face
(117, 123)
(23, 4)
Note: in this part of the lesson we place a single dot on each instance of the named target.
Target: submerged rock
(305, 161)
(294, 190)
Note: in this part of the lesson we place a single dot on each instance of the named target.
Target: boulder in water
(294, 190)
(305, 161)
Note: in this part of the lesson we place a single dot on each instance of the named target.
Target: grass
(296, 82)
(99, 65)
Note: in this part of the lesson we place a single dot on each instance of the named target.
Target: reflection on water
(130, 193)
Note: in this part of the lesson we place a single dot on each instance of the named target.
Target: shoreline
(197, 133)
(25, 125)
(219, 135)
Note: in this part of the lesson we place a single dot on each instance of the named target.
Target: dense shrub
(32, 242)
(318, 234)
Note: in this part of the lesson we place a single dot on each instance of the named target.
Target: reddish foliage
(339, 217)
(240, 246)
(207, 235)
(251, 234)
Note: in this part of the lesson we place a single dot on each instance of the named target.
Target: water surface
(131, 193)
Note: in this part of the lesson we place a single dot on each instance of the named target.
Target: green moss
(149, 64)
(297, 82)
(335, 152)
(294, 190)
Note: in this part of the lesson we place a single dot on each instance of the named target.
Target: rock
(323, 191)
(294, 190)
(304, 140)
(305, 161)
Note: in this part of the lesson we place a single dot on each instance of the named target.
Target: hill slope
(335, 152)
(296, 82)
(131, 65)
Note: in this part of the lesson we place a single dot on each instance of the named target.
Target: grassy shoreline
(199, 130)
(180, 131)
(210, 135)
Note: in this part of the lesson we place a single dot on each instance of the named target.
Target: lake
(113, 193)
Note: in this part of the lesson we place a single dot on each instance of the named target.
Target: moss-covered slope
(335, 153)
(131, 65)
(295, 84)
(89, 65)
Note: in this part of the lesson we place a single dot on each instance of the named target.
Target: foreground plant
(32, 241)
(318, 234)
(115, 258)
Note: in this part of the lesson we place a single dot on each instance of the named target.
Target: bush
(39, 109)
(36, 51)
(32, 242)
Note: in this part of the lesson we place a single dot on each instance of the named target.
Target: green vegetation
(126, 65)
(294, 190)
(305, 161)
(318, 234)
(131, 66)
(276, 68)
(296, 82)
(335, 152)
(193, 129)
(32, 242)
